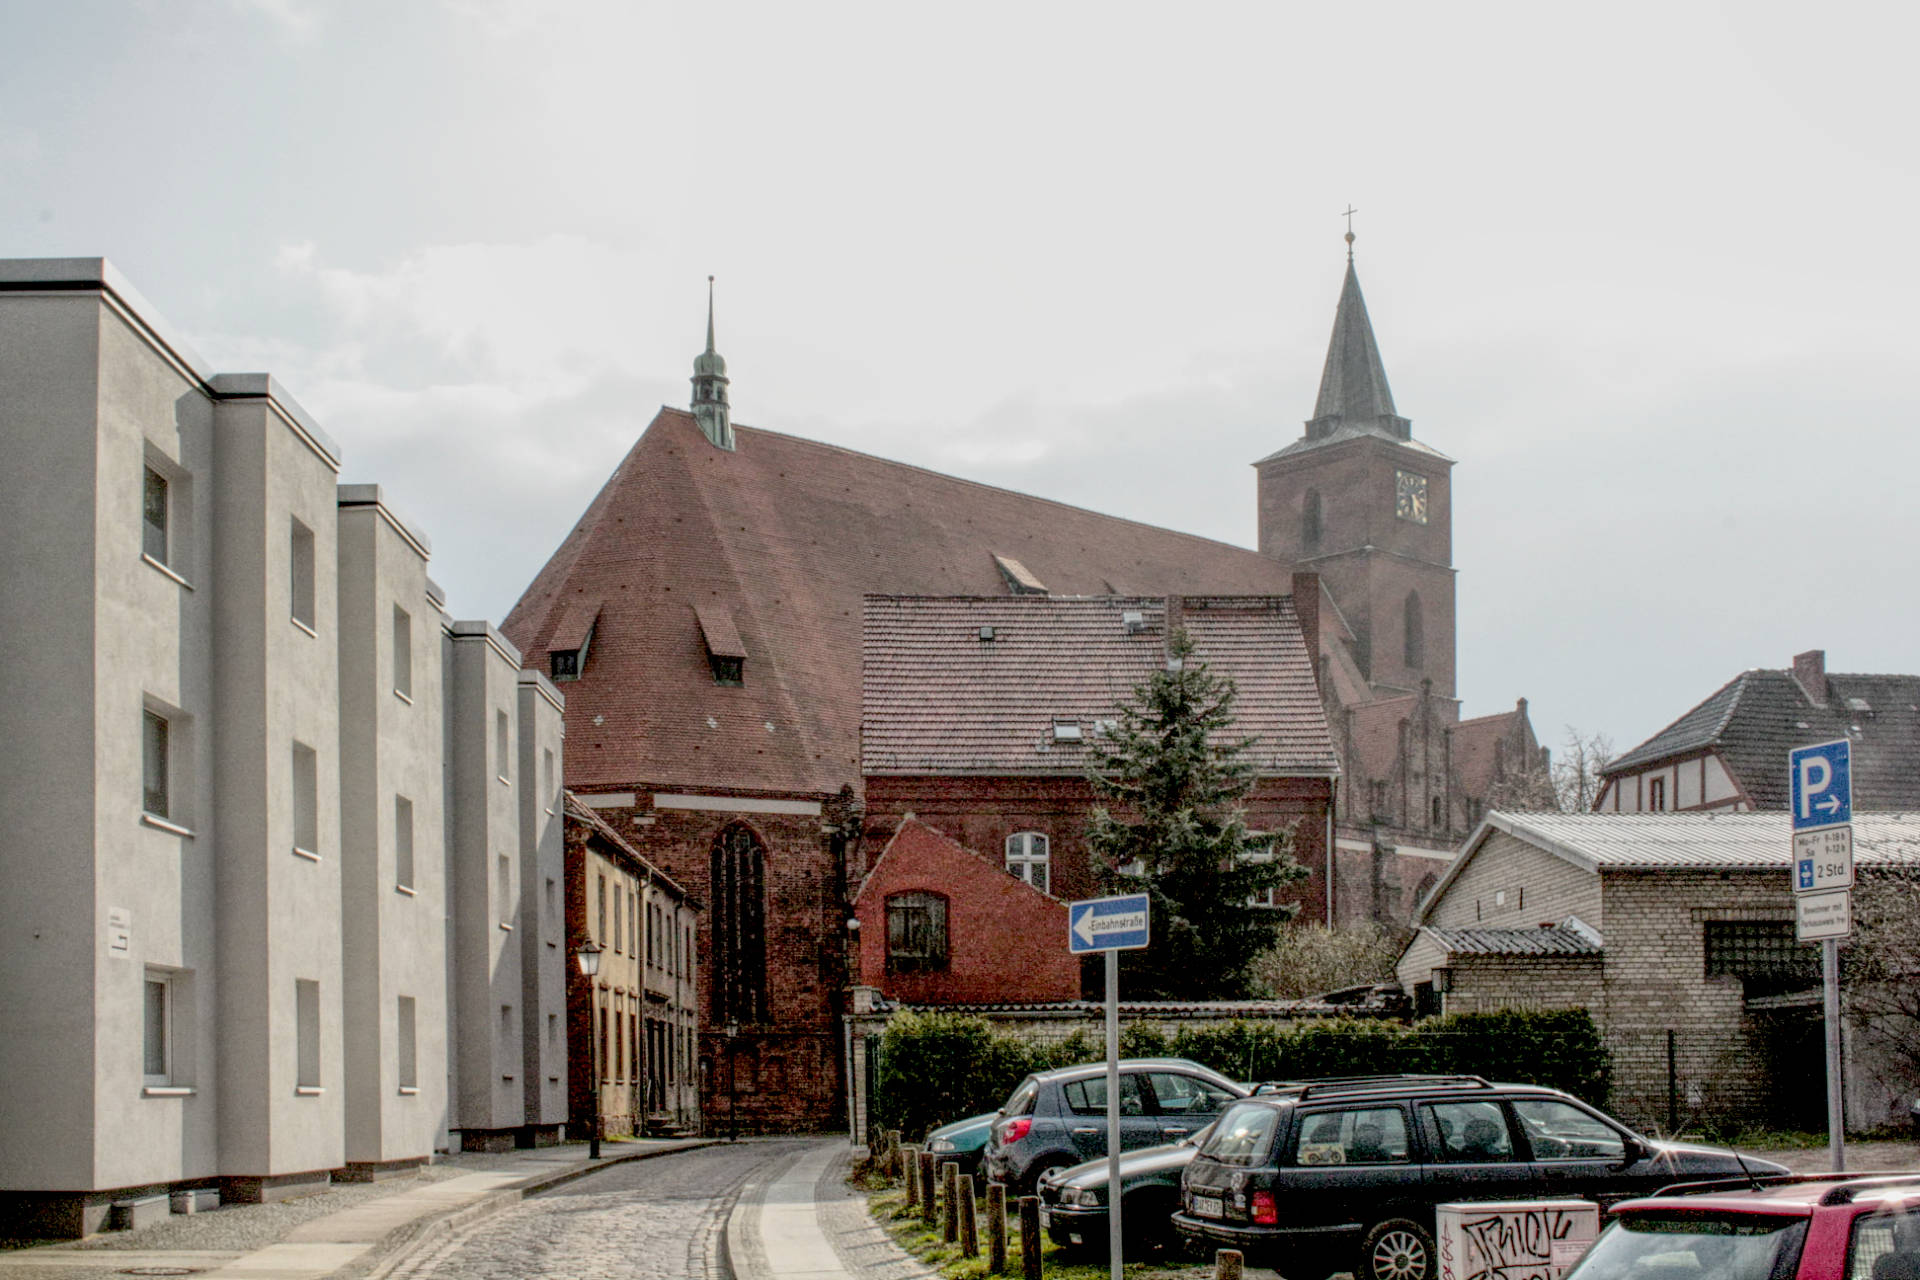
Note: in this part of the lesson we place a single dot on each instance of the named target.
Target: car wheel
(1030, 1185)
(1397, 1249)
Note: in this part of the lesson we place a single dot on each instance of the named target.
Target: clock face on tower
(1410, 496)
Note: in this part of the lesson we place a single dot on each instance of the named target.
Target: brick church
(705, 620)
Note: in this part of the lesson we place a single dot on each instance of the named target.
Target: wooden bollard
(892, 1167)
(927, 1193)
(997, 1228)
(969, 1224)
(1030, 1237)
(1227, 1264)
(949, 1201)
(911, 1168)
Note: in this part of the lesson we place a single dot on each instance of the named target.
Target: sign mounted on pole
(1818, 916)
(1823, 859)
(1821, 781)
(1107, 924)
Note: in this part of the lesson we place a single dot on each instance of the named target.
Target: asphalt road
(658, 1219)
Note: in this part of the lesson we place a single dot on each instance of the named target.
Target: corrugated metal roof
(1547, 940)
(1721, 841)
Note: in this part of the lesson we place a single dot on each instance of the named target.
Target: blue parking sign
(1820, 782)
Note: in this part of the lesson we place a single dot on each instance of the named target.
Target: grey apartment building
(280, 842)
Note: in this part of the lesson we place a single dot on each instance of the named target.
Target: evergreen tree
(1174, 774)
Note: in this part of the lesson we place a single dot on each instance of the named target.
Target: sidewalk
(312, 1239)
(805, 1223)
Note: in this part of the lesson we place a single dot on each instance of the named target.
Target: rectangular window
(1763, 954)
(546, 783)
(306, 1033)
(402, 653)
(408, 1046)
(306, 800)
(500, 745)
(916, 932)
(553, 1031)
(158, 1034)
(603, 1043)
(1367, 1135)
(633, 1046)
(1656, 794)
(153, 511)
(303, 576)
(156, 783)
(1260, 858)
(619, 1045)
(403, 842)
(553, 902)
(600, 913)
(505, 888)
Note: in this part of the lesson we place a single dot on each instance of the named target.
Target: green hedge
(937, 1068)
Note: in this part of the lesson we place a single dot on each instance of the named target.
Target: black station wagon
(1336, 1175)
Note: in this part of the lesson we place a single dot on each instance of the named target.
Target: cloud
(296, 20)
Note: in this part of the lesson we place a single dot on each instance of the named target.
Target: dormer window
(726, 655)
(567, 651)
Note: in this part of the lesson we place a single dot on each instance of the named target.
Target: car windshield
(1694, 1247)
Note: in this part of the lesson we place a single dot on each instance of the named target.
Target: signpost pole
(1820, 794)
(1113, 1114)
(1836, 1095)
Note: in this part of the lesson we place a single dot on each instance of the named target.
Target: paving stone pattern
(655, 1219)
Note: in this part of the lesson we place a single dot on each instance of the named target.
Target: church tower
(1366, 506)
(710, 388)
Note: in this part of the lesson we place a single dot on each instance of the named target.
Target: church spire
(710, 388)
(1353, 386)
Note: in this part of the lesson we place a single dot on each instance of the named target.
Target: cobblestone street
(651, 1220)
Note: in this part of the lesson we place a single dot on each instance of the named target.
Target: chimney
(1810, 673)
(1306, 607)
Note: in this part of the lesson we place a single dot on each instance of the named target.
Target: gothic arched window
(1310, 522)
(738, 892)
(1413, 638)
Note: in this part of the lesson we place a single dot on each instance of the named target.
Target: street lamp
(733, 1097)
(588, 958)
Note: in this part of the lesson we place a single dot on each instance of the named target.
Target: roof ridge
(981, 484)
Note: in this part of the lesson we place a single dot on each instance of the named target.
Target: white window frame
(1260, 857)
(306, 1037)
(402, 655)
(164, 979)
(1027, 850)
(403, 844)
(304, 762)
(303, 573)
(149, 718)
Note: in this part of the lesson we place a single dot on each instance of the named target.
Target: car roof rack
(1387, 1084)
(1846, 1192)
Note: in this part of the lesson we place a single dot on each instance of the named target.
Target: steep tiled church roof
(1021, 684)
(1756, 718)
(788, 535)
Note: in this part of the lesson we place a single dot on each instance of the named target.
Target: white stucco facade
(245, 745)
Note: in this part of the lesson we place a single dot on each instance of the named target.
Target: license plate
(1208, 1207)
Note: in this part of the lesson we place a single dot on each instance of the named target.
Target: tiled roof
(1547, 940)
(1758, 840)
(938, 698)
(577, 811)
(1477, 750)
(789, 534)
(1758, 716)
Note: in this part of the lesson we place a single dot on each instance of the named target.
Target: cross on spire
(1349, 217)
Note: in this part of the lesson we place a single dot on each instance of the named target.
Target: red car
(1805, 1227)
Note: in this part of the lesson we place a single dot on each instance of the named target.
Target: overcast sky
(1647, 271)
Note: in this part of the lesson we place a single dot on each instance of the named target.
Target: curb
(394, 1247)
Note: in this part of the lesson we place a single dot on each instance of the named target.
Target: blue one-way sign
(1821, 781)
(1107, 924)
